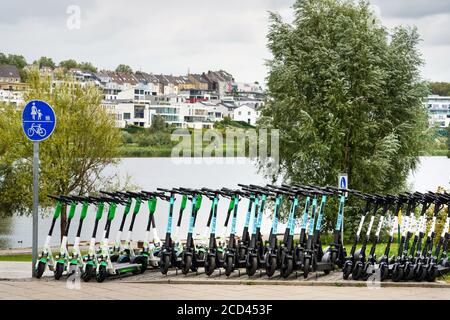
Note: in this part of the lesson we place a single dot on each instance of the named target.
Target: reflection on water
(150, 173)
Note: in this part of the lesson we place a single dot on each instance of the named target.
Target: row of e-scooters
(228, 251)
(416, 257)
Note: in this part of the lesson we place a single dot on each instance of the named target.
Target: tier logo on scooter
(38, 120)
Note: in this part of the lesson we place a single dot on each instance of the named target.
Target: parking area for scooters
(17, 284)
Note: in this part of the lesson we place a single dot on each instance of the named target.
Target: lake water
(149, 173)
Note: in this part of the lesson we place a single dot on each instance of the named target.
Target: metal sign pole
(35, 204)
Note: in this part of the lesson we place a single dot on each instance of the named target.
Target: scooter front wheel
(347, 270)
(432, 274)
(357, 272)
(187, 263)
(384, 272)
(229, 266)
(420, 273)
(164, 264)
(252, 265)
(210, 265)
(397, 274)
(287, 268)
(40, 269)
(272, 266)
(306, 267)
(59, 269)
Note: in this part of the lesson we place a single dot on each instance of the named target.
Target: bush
(156, 139)
(127, 137)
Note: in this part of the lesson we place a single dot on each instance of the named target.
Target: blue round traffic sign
(38, 120)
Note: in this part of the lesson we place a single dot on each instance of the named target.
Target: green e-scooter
(45, 257)
(62, 258)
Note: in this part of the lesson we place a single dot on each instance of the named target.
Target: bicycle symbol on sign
(36, 129)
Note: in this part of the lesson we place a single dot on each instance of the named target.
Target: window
(239, 113)
(139, 112)
(126, 116)
(119, 117)
(249, 113)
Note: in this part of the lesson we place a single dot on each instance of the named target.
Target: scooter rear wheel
(59, 269)
(187, 264)
(40, 269)
(229, 267)
(270, 270)
(102, 274)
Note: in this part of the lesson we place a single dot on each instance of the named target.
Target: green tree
(45, 62)
(68, 64)
(13, 59)
(440, 88)
(158, 123)
(124, 68)
(87, 66)
(346, 96)
(72, 160)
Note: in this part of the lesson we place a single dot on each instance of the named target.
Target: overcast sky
(174, 36)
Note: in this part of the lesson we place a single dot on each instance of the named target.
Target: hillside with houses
(194, 100)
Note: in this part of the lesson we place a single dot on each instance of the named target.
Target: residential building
(246, 113)
(12, 96)
(10, 78)
(219, 81)
(438, 108)
(199, 81)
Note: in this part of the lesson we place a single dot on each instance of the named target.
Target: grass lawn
(17, 257)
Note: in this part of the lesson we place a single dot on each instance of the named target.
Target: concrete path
(36, 289)
(16, 283)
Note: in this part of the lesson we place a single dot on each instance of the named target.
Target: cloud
(156, 36)
(412, 8)
(173, 36)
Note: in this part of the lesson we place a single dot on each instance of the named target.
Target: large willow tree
(346, 95)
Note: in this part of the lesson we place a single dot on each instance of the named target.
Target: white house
(14, 97)
(246, 113)
(438, 108)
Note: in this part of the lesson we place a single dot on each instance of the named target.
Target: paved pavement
(36, 289)
(15, 283)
